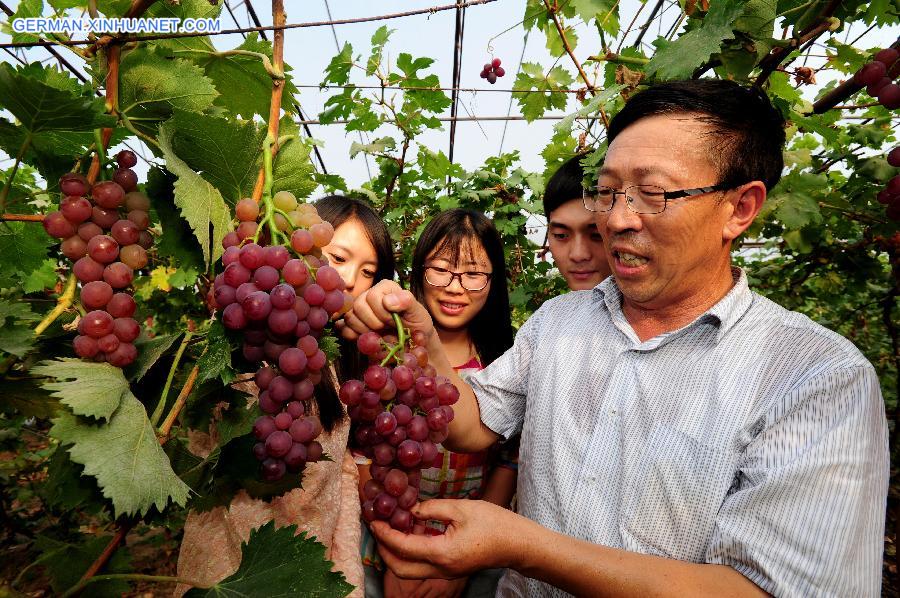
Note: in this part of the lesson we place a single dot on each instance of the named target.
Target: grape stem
(128, 577)
(62, 304)
(101, 149)
(157, 413)
(401, 341)
(180, 401)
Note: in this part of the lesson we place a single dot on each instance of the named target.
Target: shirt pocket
(674, 494)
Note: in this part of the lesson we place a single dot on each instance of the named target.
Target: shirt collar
(724, 314)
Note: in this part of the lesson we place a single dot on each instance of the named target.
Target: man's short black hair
(747, 132)
(565, 185)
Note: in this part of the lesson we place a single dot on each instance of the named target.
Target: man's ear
(746, 201)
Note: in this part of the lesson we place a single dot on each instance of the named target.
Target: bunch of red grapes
(281, 299)
(401, 413)
(104, 231)
(492, 70)
(878, 77)
(890, 195)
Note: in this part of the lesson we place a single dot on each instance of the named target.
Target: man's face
(576, 246)
(666, 259)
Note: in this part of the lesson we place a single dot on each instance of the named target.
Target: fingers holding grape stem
(400, 410)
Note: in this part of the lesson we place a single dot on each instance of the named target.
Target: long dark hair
(448, 233)
(337, 210)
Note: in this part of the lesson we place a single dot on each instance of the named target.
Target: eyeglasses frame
(458, 275)
(667, 195)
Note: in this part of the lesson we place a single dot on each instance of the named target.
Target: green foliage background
(822, 245)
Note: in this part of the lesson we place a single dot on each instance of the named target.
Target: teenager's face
(576, 246)
(353, 256)
(453, 307)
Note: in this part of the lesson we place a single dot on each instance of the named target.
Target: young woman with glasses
(459, 275)
(326, 506)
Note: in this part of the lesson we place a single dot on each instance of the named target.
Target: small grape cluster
(281, 303)
(890, 195)
(492, 70)
(104, 232)
(401, 412)
(878, 76)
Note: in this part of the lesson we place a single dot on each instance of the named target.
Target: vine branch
(62, 304)
(279, 18)
(562, 35)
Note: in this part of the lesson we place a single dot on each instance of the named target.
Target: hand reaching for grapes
(479, 535)
(372, 312)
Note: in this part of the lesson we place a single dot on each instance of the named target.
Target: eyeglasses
(641, 199)
(470, 281)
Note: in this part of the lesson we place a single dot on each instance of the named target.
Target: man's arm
(372, 311)
(481, 535)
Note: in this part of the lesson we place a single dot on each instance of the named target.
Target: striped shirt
(752, 437)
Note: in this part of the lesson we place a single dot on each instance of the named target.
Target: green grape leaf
(149, 352)
(338, 70)
(26, 9)
(66, 488)
(152, 87)
(67, 562)
(244, 86)
(554, 40)
(410, 66)
(531, 76)
(64, 4)
(226, 152)
(292, 168)
(217, 358)
(23, 248)
(177, 241)
(16, 340)
(678, 59)
(184, 9)
(42, 277)
(25, 397)
(113, 8)
(606, 12)
(379, 39)
(794, 199)
(200, 203)
(536, 15)
(89, 389)
(39, 106)
(330, 347)
(280, 562)
(51, 152)
(124, 455)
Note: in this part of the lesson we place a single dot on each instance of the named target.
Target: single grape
(267, 405)
(236, 275)
(134, 256)
(278, 443)
(368, 511)
(281, 389)
(385, 423)
(425, 386)
(277, 256)
(265, 278)
(317, 361)
(76, 209)
(121, 305)
(314, 451)
(296, 457)
(302, 241)
(889, 96)
(491, 78)
(108, 343)
(302, 430)
(246, 210)
(257, 305)
(103, 249)
(295, 273)
(417, 428)
(893, 157)
(97, 323)
(402, 414)
(56, 225)
(292, 361)
(283, 296)
(429, 453)
(495, 63)
(314, 295)
(369, 343)
(870, 73)
(436, 420)
(103, 217)
(118, 275)
(125, 232)
(108, 194)
(74, 247)
(87, 270)
(322, 234)
(140, 218)
(73, 184)
(135, 200)
(123, 356)
(887, 57)
(259, 451)
(96, 294)
(447, 394)
(283, 421)
(384, 505)
(309, 345)
(233, 317)
(252, 256)
(396, 482)
(401, 520)
(126, 159)
(295, 409)
(284, 200)
(409, 497)
(88, 230)
(126, 329)
(273, 469)
(145, 240)
(303, 390)
(351, 392)
(85, 346)
(244, 290)
(246, 230)
(282, 321)
(126, 179)
(499, 71)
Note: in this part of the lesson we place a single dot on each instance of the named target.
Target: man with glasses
(681, 435)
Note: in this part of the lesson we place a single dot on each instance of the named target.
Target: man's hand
(479, 535)
(394, 587)
(372, 312)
